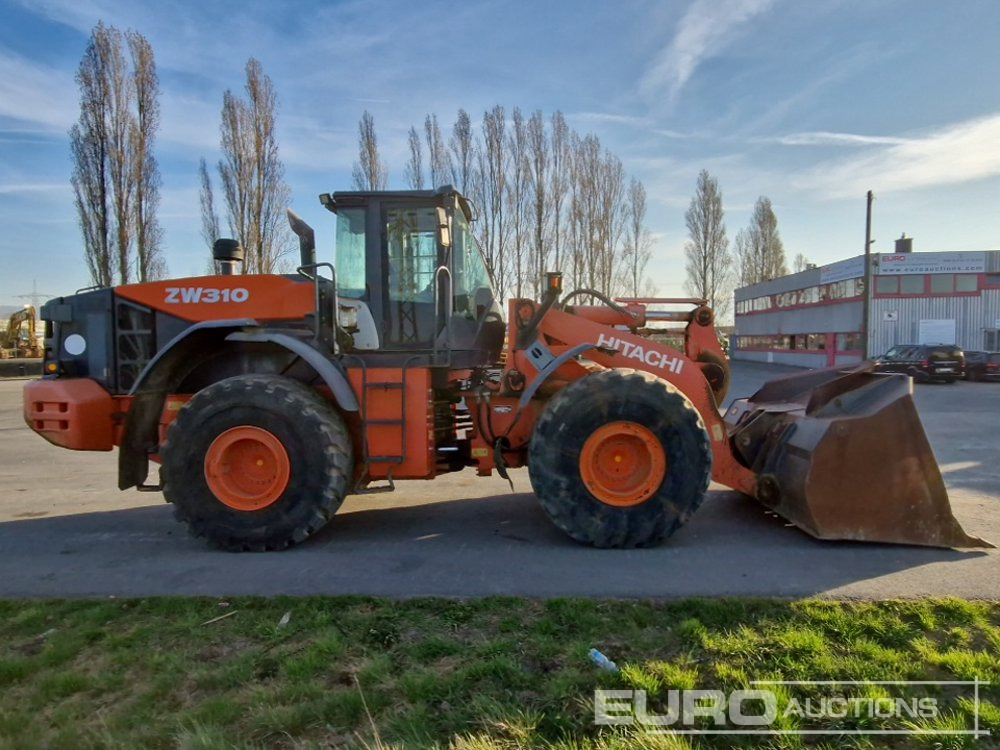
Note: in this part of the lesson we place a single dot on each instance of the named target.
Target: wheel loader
(266, 399)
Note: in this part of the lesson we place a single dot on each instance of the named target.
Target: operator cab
(411, 259)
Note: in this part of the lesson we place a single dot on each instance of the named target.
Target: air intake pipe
(227, 254)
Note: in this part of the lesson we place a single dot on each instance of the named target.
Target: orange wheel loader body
(266, 399)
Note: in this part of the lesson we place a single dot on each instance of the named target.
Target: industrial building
(817, 318)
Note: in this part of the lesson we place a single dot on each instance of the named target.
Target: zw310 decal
(187, 295)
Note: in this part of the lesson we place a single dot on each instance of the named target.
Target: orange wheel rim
(247, 468)
(622, 464)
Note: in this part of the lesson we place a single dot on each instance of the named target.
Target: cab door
(411, 256)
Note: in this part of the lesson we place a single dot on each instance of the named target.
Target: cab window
(412, 246)
(351, 265)
(468, 270)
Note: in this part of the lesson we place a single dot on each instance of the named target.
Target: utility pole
(35, 296)
(867, 296)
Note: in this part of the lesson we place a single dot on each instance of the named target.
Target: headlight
(75, 344)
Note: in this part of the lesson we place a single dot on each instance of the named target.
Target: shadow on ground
(500, 544)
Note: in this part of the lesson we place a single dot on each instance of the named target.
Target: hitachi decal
(193, 295)
(650, 357)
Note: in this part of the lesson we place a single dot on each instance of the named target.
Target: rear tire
(256, 462)
(654, 421)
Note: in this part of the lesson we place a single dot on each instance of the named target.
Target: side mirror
(444, 228)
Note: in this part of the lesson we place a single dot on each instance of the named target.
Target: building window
(849, 342)
(912, 284)
(966, 282)
(942, 283)
(887, 285)
(816, 341)
(993, 279)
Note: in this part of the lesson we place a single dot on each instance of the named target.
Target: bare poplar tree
(801, 263)
(437, 153)
(638, 244)
(210, 230)
(463, 153)
(548, 199)
(115, 176)
(252, 174)
(370, 172)
(120, 102)
(493, 163)
(516, 198)
(611, 225)
(90, 141)
(559, 181)
(710, 272)
(415, 166)
(538, 179)
(146, 173)
(759, 250)
(596, 215)
(580, 235)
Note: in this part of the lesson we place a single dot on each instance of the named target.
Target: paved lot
(66, 531)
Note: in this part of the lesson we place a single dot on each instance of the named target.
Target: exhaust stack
(307, 238)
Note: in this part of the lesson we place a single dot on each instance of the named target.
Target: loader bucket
(843, 455)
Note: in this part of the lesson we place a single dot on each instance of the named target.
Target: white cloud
(667, 133)
(608, 117)
(40, 187)
(77, 14)
(189, 121)
(962, 152)
(707, 26)
(36, 94)
(641, 123)
(823, 138)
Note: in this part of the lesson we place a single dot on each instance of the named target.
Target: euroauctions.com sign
(911, 263)
(800, 707)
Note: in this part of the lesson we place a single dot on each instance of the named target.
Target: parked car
(924, 362)
(982, 365)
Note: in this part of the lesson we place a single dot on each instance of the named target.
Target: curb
(20, 368)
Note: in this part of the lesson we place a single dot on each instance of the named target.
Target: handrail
(662, 300)
(304, 270)
(449, 309)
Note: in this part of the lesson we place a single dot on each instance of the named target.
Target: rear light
(927, 363)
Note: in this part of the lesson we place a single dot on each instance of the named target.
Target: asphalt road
(65, 531)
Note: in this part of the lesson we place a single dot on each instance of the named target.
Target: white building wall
(796, 358)
(897, 320)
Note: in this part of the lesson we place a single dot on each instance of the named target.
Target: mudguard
(177, 359)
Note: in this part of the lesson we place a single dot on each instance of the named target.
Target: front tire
(256, 462)
(620, 458)
(718, 376)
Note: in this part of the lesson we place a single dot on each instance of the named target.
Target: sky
(808, 103)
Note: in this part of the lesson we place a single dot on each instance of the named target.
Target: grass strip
(486, 674)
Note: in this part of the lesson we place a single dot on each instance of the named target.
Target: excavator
(21, 338)
(266, 399)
